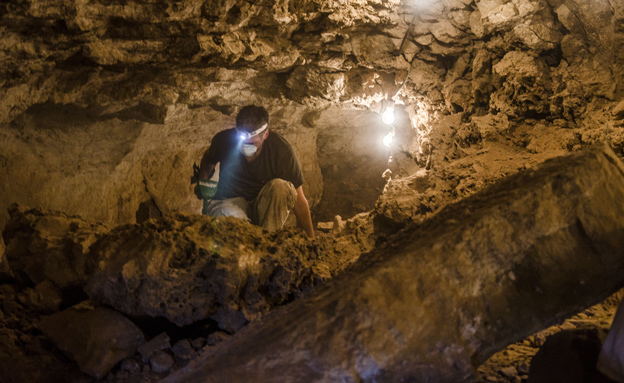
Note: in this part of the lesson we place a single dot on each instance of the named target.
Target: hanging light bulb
(388, 115)
(387, 140)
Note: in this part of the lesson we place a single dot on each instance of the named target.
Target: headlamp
(244, 136)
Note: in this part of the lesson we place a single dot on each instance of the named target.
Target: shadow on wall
(352, 158)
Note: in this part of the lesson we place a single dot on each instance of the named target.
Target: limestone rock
(618, 111)
(158, 343)
(216, 338)
(325, 226)
(445, 32)
(50, 246)
(95, 338)
(182, 349)
(539, 32)
(441, 297)
(161, 362)
(130, 365)
(307, 84)
(526, 88)
(490, 126)
(45, 298)
(189, 268)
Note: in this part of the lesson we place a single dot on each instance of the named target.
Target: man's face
(257, 140)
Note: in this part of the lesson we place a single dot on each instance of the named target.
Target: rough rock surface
(96, 338)
(29, 356)
(440, 299)
(50, 246)
(189, 268)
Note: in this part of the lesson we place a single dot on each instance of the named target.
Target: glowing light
(388, 115)
(387, 140)
(244, 136)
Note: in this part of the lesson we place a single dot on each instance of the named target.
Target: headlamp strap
(248, 135)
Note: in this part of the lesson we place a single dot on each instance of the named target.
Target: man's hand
(206, 189)
(302, 212)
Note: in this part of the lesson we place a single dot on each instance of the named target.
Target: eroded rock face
(441, 297)
(190, 268)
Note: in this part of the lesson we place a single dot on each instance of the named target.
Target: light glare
(387, 140)
(388, 115)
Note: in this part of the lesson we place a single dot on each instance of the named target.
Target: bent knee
(235, 207)
(278, 185)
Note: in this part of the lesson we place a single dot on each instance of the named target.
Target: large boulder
(443, 296)
(97, 338)
(189, 268)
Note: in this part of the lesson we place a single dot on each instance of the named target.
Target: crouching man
(260, 179)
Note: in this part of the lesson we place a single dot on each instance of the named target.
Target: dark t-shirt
(240, 178)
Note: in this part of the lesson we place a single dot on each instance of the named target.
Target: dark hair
(251, 118)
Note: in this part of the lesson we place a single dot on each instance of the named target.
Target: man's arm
(302, 212)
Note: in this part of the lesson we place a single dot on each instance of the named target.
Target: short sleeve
(291, 170)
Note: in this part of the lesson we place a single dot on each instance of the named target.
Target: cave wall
(99, 99)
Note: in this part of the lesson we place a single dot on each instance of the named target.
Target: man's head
(251, 118)
(252, 124)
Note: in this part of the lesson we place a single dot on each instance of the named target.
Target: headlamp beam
(244, 136)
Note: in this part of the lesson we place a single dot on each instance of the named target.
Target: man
(259, 178)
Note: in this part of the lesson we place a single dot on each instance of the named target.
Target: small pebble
(198, 343)
(216, 337)
(130, 365)
(182, 349)
(509, 372)
(523, 369)
(161, 362)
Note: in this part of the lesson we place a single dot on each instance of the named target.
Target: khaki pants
(269, 210)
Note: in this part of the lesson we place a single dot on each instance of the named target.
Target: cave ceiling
(165, 52)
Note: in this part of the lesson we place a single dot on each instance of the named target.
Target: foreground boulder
(95, 338)
(189, 268)
(439, 299)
